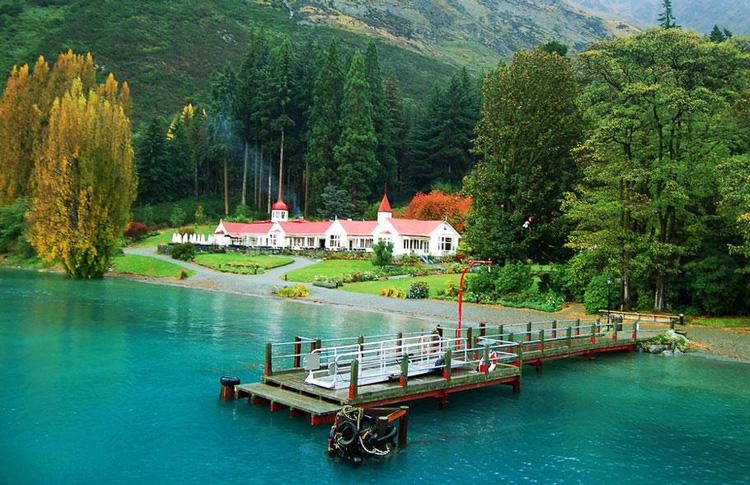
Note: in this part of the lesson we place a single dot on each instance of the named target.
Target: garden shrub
(450, 290)
(184, 252)
(184, 274)
(392, 293)
(714, 284)
(595, 298)
(294, 291)
(418, 290)
(481, 283)
(513, 278)
(177, 216)
(382, 253)
(136, 230)
(185, 230)
(328, 283)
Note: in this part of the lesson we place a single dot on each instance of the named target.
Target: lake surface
(119, 381)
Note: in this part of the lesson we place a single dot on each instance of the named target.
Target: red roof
(358, 228)
(413, 227)
(238, 228)
(305, 227)
(385, 206)
(279, 205)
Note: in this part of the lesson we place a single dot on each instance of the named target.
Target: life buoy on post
(493, 360)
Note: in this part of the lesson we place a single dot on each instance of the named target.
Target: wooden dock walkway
(507, 347)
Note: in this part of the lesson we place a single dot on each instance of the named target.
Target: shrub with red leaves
(136, 230)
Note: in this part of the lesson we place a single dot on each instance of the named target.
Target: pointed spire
(385, 206)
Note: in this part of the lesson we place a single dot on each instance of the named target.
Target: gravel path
(261, 285)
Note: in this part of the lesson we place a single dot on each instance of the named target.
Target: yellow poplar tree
(24, 109)
(85, 180)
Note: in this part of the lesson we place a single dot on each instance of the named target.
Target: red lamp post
(473, 262)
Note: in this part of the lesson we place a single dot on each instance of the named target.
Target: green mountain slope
(477, 32)
(167, 50)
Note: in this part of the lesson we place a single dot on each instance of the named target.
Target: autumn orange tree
(85, 182)
(439, 205)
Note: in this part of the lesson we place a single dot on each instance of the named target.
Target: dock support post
(519, 362)
(569, 337)
(353, 378)
(447, 363)
(403, 427)
(614, 332)
(404, 379)
(592, 338)
(399, 338)
(297, 351)
(635, 331)
(540, 345)
(578, 327)
(268, 368)
(528, 332)
(482, 329)
(318, 344)
(554, 328)
(500, 332)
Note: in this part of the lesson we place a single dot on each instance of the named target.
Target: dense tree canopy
(530, 123)
(657, 105)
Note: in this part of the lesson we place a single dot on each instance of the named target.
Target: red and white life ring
(493, 360)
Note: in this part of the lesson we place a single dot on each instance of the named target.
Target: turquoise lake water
(116, 380)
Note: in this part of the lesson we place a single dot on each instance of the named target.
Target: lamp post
(473, 262)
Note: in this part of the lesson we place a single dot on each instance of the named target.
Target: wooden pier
(490, 355)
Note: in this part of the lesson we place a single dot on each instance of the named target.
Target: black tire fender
(348, 433)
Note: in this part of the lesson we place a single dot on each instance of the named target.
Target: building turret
(384, 211)
(279, 211)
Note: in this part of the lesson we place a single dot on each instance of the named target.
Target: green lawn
(438, 284)
(330, 268)
(165, 236)
(241, 263)
(720, 322)
(147, 266)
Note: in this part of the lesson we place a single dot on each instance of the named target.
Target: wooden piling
(528, 332)
(554, 328)
(482, 329)
(569, 336)
(353, 379)
(404, 380)
(297, 352)
(268, 368)
(540, 345)
(501, 332)
(403, 426)
(447, 363)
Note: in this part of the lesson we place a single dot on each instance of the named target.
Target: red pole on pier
(473, 262)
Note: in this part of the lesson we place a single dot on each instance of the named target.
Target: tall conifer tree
(355, 153)
(324, 128)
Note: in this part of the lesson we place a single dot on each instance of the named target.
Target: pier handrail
(381, 363)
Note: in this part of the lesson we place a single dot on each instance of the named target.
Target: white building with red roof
(408, 236)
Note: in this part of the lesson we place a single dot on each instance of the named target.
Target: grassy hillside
(167, 50)
(479, 32)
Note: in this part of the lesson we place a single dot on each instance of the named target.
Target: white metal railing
(418, 355)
